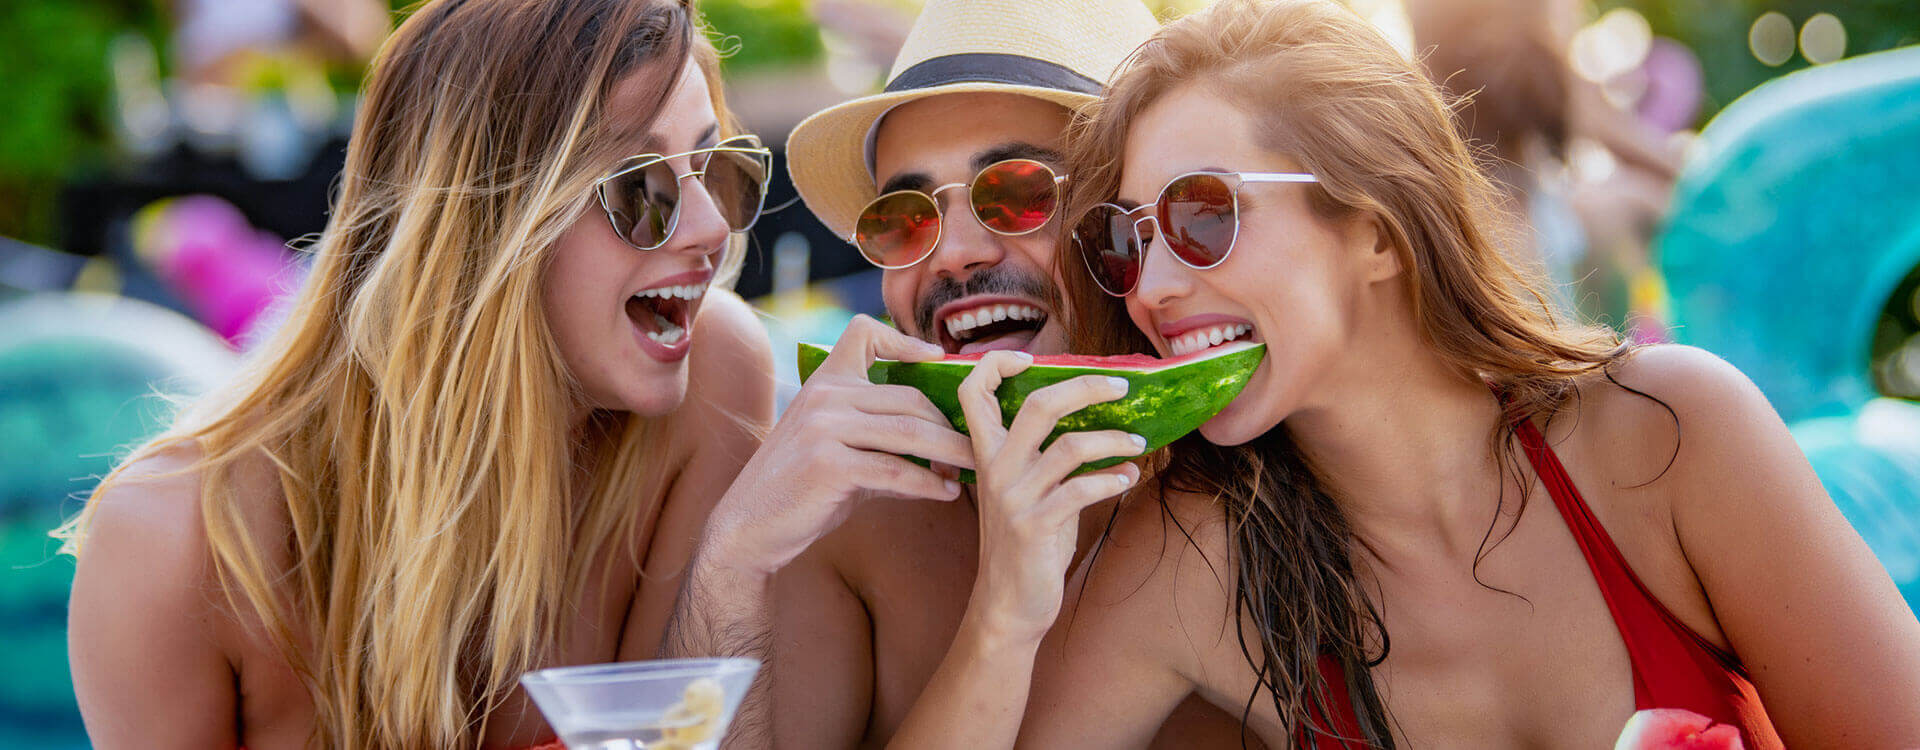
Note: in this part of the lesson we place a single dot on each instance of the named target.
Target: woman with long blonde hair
(1437, 516)
(485, 441)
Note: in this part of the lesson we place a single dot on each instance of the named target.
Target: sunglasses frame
(745, 143)
(1233, 190)
(940, 226)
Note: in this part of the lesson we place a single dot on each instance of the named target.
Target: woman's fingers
(1045, 407)
(1076, 448)
(979, 402)
(1074, 495)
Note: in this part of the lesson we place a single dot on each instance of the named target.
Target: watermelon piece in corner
(1676, 729)
(1166, 398)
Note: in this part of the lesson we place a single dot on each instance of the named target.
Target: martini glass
(669, 704)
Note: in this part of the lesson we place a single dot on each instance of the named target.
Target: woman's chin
(645, 397)
(1227, 428)
(659, 402)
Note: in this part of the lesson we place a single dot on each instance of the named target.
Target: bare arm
(1832, 648)
(146, 666)
(1029, 526)
(835, 445)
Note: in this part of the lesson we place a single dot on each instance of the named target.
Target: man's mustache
(996, 280)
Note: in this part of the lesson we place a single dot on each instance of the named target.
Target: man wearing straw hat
(949, 180)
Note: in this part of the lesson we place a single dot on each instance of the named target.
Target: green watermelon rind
(1161, 405)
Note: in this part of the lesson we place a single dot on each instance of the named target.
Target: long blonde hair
(415, 405)
(1327, 89)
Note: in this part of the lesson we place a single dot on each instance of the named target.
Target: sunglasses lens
(1197, 214)
(642, 202)
(897, 229)
(1105, 239)
(737, 183)
(1014, 197)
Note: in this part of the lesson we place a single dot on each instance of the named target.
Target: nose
(1162, 279)
(700, 230)
(966, 246)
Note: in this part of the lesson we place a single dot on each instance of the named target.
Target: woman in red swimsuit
(1440, 515)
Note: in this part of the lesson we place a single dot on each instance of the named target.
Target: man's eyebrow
(1017, 150)
(907, 181)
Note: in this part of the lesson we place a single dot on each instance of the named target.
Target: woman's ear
(1382, 255)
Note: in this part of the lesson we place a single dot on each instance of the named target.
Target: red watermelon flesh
(1676, 729)
(1110, 362)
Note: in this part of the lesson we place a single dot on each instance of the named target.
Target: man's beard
(999, 280)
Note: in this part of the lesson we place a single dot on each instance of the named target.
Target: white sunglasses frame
(1233, 190)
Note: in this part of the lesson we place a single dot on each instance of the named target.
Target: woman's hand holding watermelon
(1029, 504)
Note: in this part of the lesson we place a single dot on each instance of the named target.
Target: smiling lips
(970, 326)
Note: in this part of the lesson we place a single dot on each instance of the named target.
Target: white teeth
(669, 334)
(1208, 337)
(686, 292)
(966, 321)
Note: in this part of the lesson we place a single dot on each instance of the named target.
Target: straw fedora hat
(1061, 51)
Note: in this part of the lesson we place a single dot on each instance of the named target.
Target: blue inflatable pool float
(1793, 224)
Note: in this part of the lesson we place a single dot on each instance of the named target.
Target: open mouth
(970, 326)
(1208, 337)
(663, 314)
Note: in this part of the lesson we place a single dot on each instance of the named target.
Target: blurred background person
(1522, 104)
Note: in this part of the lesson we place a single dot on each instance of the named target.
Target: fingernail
(1119, 384)
(1125, 481)
(953, 488)
(1023, 356)
(1139, 443)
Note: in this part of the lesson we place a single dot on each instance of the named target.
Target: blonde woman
(474, 449)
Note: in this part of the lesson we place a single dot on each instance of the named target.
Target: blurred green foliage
(56, 98)
(1716, 30)
(762, 33)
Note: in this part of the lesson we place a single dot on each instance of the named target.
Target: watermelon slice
(1676, 729)
(1167, 398)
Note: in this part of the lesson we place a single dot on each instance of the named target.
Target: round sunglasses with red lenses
(1011, 198)
(641, 196)
(1197, 214)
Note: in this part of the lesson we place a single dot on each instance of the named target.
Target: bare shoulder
(149, 516)
(1676, 418)
(732, 361)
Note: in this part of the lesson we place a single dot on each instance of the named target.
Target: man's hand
(841, 440)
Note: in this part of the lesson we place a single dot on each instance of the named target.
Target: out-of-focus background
(1735, 174)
